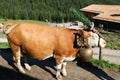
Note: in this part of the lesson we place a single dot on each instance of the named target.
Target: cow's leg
(59, 62)
(58, 75)
(64, 69)
(17, 57)
(27, 66)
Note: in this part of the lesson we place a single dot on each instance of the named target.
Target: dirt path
(45, 70)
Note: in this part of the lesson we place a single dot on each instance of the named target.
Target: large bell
(86, 54)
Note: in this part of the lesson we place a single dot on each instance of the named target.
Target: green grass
(105, 65)
(20, 21)
(113, 40)
(2, 36)
(99, 63)
(4, 45)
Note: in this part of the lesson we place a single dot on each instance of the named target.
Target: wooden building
(107, 15)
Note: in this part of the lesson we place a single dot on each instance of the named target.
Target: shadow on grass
(94, 70)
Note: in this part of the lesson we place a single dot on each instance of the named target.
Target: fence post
(100, 53)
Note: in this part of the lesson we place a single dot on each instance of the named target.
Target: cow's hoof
(20, 68)
(27, 67)
(59, 77)
(22, 71)
(64, 73)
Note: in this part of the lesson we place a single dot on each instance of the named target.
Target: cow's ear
(79, 40)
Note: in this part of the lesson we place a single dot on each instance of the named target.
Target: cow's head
(96, 40)
(90, 37)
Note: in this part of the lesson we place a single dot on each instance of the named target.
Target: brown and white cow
(42, 42)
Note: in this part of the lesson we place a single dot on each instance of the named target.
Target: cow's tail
(8, 27)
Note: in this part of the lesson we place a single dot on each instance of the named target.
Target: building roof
(105, 12)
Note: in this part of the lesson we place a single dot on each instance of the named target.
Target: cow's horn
(92, 26)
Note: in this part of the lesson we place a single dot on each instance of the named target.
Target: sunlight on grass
(4, 45)
(105, 64)
(20, 21)
(113, 40)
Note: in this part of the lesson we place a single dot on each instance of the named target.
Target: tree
(53, 10)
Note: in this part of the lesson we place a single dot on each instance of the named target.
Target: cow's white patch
(48, 57)
(18, 62)
(64, 69)
(93, 40)
(58, 75)
(19, 66)
(59, 66)
(69, 58)
(102, 43)
(27, 67)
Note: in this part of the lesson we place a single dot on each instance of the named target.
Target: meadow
(113, 40)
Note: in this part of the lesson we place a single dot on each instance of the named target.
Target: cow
(42, 42)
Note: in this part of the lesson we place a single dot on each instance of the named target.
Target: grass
(113, 40)
(105, 64)
(20, 21)
(99, 63)
(4, 45)
(2, 36)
